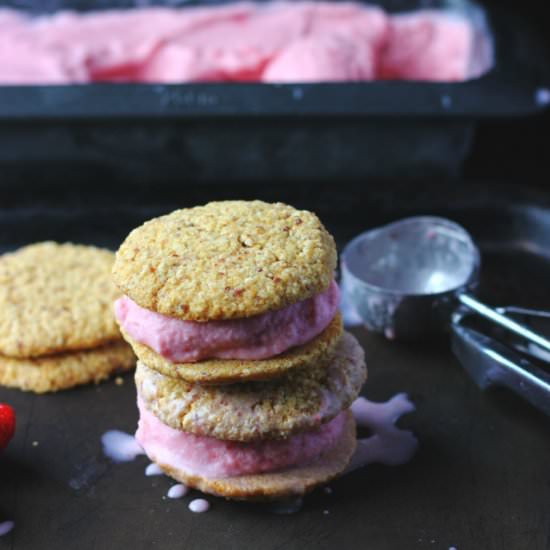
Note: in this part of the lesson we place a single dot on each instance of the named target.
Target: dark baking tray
(479, 480)
(258, 132)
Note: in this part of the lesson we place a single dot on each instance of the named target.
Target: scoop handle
(503, 321)
(490, 363)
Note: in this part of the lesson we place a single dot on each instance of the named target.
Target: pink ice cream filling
(253, 338)
(215, 458)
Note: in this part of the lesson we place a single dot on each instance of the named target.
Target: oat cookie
(302, 400)
(224, 371)
(276, 485)
(65, 370)
(226, 260)
(55, 298)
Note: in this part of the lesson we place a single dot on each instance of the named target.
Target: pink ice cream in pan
(274, 42)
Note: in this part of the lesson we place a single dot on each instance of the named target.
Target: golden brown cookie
(276, 485)
(55, 298)
(226, 260)
(224, 371)
(65, 370)
(302, 400)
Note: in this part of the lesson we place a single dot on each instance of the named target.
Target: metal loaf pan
(259, 132)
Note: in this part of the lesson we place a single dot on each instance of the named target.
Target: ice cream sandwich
(245, 376)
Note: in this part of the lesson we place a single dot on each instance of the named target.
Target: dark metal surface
(480, 479)
(491, 363)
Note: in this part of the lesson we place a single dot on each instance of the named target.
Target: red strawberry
(7, 424)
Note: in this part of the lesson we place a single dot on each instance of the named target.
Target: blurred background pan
(262, 132)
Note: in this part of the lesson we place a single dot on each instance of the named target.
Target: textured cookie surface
(276, 485)
(223, 371)
(65, 370)
(302, 400)
(226, 260)
(56, 298)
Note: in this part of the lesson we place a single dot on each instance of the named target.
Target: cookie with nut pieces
(228, 371)
(65, 370)
(300, 401)
(57, 326)
(56, 298)
(226, 260)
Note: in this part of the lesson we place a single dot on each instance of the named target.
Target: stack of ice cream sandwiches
(245, 375)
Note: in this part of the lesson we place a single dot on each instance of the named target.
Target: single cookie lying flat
(226, 260)
(300, 401)
(65, 370)
(224, 371)
(276, 485)
(55, 298)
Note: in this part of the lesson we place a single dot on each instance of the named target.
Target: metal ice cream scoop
(416, 277)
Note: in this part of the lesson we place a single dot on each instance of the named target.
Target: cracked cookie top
(226, 260)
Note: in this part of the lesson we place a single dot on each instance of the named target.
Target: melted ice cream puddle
(199, 505)
(120, 446)
(153, 470)
(6, 527)
(388, 444)
(177, 491)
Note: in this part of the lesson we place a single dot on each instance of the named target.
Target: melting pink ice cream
(276, 42)
(388, 444)
(120, 446)
(429, 46)
(215, 458)
(254, 338)
(210, 457)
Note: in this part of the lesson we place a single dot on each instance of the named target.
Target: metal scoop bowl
(416, 277)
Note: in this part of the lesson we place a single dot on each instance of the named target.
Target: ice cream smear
(276, 42)
(388, 444)
(199, 505)
(153, 470)
(252, 338)
(120, 446)
(6, 527)
(177, 491)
